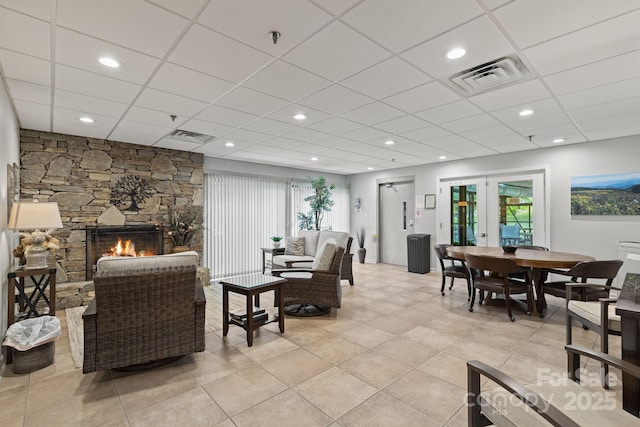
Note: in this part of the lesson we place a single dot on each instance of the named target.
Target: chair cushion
(325, 255)
(115, 263)
(340, 237)
(297, 275)
(294, 246)
(310, 241)
(590, 310)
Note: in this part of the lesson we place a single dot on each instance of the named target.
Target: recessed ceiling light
(369, 168)
(456, 52)
(300, 116)
(526, 112)
(86, 120)
(442, 157)
(109, 62)
(390, 142)
(229, 144)
(315, 159)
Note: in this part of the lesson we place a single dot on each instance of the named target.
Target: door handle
(483, 234)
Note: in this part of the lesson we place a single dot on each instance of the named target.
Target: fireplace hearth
(127, 240)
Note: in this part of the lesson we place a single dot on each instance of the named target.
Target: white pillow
(325, 255)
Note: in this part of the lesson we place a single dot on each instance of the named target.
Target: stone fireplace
(129, 240)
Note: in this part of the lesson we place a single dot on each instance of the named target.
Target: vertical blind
(243, 212)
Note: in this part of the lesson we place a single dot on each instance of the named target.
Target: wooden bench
(558, 401)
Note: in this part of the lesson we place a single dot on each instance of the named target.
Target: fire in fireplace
(128, 240)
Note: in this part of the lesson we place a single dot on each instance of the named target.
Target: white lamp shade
(34, 215)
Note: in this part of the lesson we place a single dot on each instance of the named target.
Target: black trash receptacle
(419, 253)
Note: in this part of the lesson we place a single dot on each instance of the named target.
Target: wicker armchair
(309, 292)
(140, 317)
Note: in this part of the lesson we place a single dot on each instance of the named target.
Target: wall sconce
(35, 216)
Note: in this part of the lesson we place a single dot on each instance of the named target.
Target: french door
(494, 210)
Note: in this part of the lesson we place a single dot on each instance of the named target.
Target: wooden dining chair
(451, 267)
(499, 280)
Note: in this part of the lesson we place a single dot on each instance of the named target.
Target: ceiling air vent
(492, 75)
(185, 135)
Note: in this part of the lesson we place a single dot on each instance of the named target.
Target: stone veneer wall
(79, 172)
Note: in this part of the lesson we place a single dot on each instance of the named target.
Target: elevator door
(397, 207)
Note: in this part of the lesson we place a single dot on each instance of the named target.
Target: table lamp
(35, 216)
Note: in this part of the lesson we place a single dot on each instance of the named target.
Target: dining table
(536, 260)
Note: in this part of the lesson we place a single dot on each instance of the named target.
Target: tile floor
(393, 355)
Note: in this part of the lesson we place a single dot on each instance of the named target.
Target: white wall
(10, 147)
(591, 235)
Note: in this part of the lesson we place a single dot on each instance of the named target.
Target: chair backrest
(532, 247)
(495, 264)
(441, 253)
(606, 269)
(336, 264)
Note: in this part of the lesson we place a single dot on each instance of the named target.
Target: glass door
(462, 216)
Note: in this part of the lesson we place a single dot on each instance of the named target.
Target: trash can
(419, 253)
(33, 342)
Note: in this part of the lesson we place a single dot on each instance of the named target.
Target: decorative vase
(276, 244)
(362, 252)
(177, 249)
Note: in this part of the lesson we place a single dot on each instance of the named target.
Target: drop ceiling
(364, 72)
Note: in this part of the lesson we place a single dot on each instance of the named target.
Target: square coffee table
(251, 286)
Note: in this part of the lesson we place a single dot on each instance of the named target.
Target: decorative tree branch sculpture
(131, 189)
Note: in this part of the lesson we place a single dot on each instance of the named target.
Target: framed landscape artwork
(611, 194)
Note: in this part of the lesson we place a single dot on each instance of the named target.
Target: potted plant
(362, 252)
(276, 241)
(181, 232)
(319, 202)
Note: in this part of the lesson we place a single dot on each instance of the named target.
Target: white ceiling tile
(25, 68)
(601, 94)
(530, 23)
(508, 138)
(175, 144)
(80, 51)
(140, 25)
(448, 112)
(24, 34)
(33, 116)
(186, 8)
(540, 108)
(271, 127)
(139, 133)
(286, 81)
(307, 135)
(244, 99)
(396, 73)
(494, 4)
(402, 124)
(214, 149)
(336, 7)
(223, 57)
(153, 117)
(251, 21)
(281, 143)
(607, 114)
(423, 97)
(226, 116)
(335, 100)
(67, 121)
(607, 39)
(514, 146)
(39, 9)
(569, 138)
(375, 112)
(169, 103)
(518, 94)
(29, 92)
(596, 74)
(366, 134)
(335, 125)
(89, 104)
(83, 82)
(415, 22)
(613, 132)
(286, 115)
(445, 141)
(182, 81)
(481, 39)
(248, 135)
(489, 133)
(540, 124)
(425, 133)
(207, 128)
(336, 52)
(470, 123)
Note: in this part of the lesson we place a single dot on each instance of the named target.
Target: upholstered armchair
(143, 317)
(314, 291)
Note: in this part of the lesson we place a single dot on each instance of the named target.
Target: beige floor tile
(375, 368)
(385, 410)
(244, 389)
(264, 349)
(392, 324)
(367, 336)
(431, 337)
(13, 402)
(59, 388)
(305, 336)
(447, 367)
(475, 349)
(195, 408)
(295, 366)
(437, 398)
(335, 392)
(206, 367)
(142, 390)
(284, 409)
(407, 351)
(335, 350)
